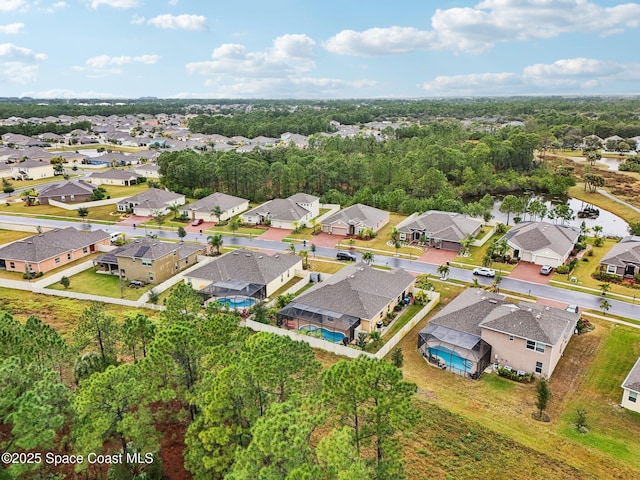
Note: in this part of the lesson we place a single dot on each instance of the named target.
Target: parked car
(572, 308)
(546, 270)
(136, 284)
(484, 271)
(196, 222)
(346, 256)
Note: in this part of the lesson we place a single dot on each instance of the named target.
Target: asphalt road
(583, 300)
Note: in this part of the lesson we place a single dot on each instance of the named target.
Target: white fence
(76, 206)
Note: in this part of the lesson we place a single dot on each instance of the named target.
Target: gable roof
(224, 201)
(150, 249)
(358, 290)
(246, 265)
(116, 174)
(358, 214)
(441, 225)
(280, 209)
(624, 252)
(534, 236)
(632, 382)
(303, 198)
(50, 244)
(152, 198)
(70, 187)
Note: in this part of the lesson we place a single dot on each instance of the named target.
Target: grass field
(477, 253)
(101, 284)
(8, 236)
(600, 201)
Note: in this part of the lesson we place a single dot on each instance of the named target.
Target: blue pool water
(452, 359)
(241, 302)
(328, 335)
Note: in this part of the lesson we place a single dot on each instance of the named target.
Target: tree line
(253, 405)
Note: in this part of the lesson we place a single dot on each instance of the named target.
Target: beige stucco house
(444, 230)
(631, 389)
(120, 178)
(149, 260)
(31, 170)
(623, 260)
(542, 243)
(355, 220)
(479, 328)
(286, 213)
(153, 200)
(52, 249)
(353, 300)
(203, 208)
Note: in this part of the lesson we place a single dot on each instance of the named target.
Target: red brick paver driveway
(529, 272)
(437, 256)
(326, 240)
(133, 220)
(276, 234)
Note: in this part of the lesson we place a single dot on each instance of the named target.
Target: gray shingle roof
(50, 244)
(116, 174)
(280, 209)
(442, 225)
(358, 214)
(153, 198)
(632, 382)
(246, 265)
(534, 236)
(624, 252)
(358, 290)
(151, 249)
(224, 201)
(476, 309)
(70, 187)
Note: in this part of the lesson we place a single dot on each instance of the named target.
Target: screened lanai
(334, 326)
(233, 289)
(462, 353)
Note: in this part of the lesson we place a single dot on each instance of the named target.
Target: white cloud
(574, 75)
(173, 2)
(102, 65)
(11, 5)
(289, 55)
(12, 28)
(63, 93)
(179, 22)
(479, 28)
(137, 20)
(53, 7)
(123, 4)
(380, 41)
(18, 65)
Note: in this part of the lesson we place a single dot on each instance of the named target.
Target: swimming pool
(328, 335)
(452, 359)
(236, 302)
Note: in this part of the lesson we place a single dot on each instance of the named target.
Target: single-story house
(631, 389)
(444, 230)
(298, 209)
(149, 260)
(244, 275)
(203, 208)
(354, 220)
(150, 202)
(623, 259)
(67, 192)
(31, 170)
(479, 328)
(122, 178)
(357, 298)
(542, 243)
(52, 249)
(148, 170)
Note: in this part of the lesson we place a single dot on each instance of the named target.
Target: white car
(484, 271)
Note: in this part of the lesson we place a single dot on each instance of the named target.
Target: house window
(62, 197)
(177, 266)
(611, 269)
(633, 397)
(511, 338)
(57, 260)
(538, 347)
(85, 249)
(538, 367)
(12, 265)
(151, 276)
(146, 262)
(68, 256)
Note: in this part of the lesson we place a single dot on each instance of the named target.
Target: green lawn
(477, 253)
(8, 236)
(405, 316)
(18, 275)
(101, 284)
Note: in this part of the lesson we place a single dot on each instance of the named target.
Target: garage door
(544, 260)
(340, 230)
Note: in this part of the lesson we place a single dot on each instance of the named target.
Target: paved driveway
(325, 240)
(437, 256)
(277, 234)
(529, 272)
(133, 220)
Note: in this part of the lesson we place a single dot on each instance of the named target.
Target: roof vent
(538, 317)
(529, 309)
(276, 256)
(247, 254)
(260, 256)
(352, 276)
(493, 300)
(236, 253)
(546, 308)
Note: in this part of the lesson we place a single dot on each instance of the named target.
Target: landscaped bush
(512, 375)
(563, 269)
(584, 326)
(585, 259)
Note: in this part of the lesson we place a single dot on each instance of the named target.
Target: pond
(611, 224)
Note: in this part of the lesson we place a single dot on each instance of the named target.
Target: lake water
(611, 224)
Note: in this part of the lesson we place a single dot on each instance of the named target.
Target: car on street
(196, 222)
(546, 270)
(484, 271)
(346, 256)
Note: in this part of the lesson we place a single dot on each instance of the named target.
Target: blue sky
(309, 49)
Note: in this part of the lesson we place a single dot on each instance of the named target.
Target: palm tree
(159, 217)
(314, 224)
(368, 257)
(313, 249)
(181, 232)
(305, 258)
(215, 241)
(605, 305)
(597, 230)
(397, 245)
(292, 248)
(234, 224)
(216, 212)
(604, 288)
(83, 212)
(443, 270)
(466, 243)
(395, 234)
(495, 286)
(175, 209)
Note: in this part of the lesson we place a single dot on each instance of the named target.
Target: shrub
(512, 375)
(585, 259)
(563, 269)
